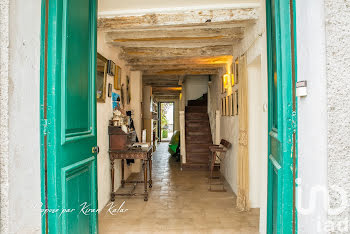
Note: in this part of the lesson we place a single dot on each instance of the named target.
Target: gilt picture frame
(118, 78)
(101, 78)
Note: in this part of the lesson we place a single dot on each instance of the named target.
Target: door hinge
(44, 123)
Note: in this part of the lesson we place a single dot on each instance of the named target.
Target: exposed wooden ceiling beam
(150, 52)
(177, 43)
(182, 72)
(191, 17)
(173, 66)
(188, 34)
(176, 61)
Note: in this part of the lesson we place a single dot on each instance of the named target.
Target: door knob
(95, 150)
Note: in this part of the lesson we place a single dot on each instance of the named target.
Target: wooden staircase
(198, 135)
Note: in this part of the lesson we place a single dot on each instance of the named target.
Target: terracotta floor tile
(179, 202)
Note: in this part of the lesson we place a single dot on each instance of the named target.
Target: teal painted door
(69, 105)
(281, 118)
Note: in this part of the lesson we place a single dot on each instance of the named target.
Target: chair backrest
(225, 143)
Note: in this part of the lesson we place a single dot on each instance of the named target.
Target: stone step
(200, 157)
(196, 109)
(197, 103)
(197, 133)
(198, 147)
(198, 128)
(198, 140)
(196, 116)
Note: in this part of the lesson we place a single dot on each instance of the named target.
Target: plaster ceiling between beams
(167, 46)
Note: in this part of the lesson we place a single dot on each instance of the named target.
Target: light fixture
(227, 77)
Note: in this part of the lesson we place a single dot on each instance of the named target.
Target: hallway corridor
(179, 202)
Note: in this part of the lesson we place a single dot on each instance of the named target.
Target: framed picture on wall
(118, 78)
(233, 103)
(227, 106)
(101, 78)
(233, 74)
(236, 74)
(109, 90)
(230, 105)
(222, 85)
(111, 68)
(237, 103)
(128, 90)
(222, 107)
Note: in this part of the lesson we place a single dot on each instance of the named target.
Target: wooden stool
(215, 150)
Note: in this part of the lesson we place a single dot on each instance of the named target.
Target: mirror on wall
(101, 77)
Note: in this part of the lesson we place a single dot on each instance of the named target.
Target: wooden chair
(217, 152)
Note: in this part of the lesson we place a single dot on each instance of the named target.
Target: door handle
(95, 149)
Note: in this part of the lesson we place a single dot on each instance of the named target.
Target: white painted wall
(134, 5)
(196, 86)
(337, 31)
(256, 132)
(4, 115)
(136, 100)
(104, 114)
(23, 189)
(312, 111)
(254, 46)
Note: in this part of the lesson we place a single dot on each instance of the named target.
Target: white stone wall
(312, 114)
(196, 86)
(337, 25)
(20, 191)
(254, 46)
(104, 114)
(4, 105)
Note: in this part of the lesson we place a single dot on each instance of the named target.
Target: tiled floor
(179, 202)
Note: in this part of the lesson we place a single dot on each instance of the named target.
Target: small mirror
(101, 76)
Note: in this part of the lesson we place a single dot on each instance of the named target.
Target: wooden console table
(145, 155)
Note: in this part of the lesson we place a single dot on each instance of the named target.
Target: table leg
(123, 181)
(150, 172)
(112, 180)
(145, 179)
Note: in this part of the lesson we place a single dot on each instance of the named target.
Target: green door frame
(282, 150)
(56, 142)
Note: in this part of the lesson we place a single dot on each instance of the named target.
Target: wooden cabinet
(118, 139)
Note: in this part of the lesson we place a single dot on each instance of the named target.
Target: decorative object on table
(118, 78)
(109, 90)
(119, 119)
(101, 77)
(128, 91)
(111, 68)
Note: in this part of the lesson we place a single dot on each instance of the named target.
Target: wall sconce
(226, 79)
